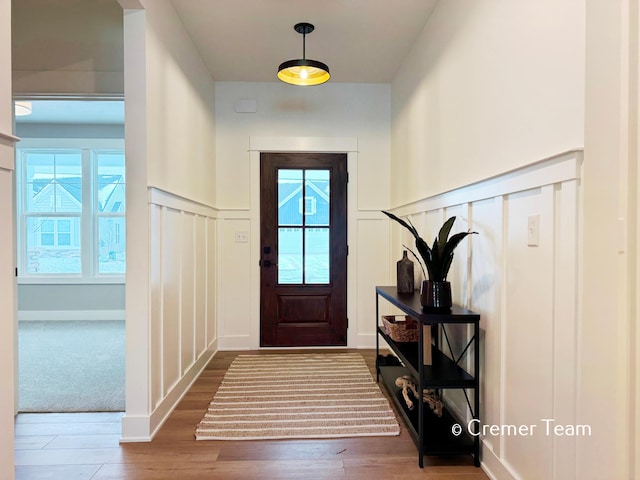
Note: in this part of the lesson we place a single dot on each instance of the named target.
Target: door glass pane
(53, 245)
(289, 255)
(316, 255)
(303, 200)
(290, 197)
(316, 197)
(111, 245)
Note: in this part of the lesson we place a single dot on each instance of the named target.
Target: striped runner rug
(297, 396)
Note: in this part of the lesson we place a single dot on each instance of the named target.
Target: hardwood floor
(86, 446)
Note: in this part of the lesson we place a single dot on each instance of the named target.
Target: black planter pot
(435, 296)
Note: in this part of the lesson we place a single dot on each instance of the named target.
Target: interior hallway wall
(8, 322)
(348, 116)
(488, 87)
(67, 47)
(171, 215)
(491, 89)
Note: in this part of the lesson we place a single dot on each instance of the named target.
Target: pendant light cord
(304, 45)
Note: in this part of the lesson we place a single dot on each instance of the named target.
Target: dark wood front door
(303, 249)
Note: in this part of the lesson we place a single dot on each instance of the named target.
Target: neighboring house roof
(111, 185)
(289, 198)
(46, 191)
(287, 191)
(115, 197)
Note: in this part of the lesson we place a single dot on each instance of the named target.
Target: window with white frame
(71, 212)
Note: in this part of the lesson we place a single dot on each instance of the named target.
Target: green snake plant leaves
(437, 258)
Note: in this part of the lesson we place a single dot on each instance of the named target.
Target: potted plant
(435, 293)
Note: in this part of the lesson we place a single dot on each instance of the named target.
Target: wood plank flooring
(85, 446)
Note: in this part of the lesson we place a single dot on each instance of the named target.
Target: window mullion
(86, 219)
(304, 226)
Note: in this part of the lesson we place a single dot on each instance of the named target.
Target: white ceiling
(362, 41)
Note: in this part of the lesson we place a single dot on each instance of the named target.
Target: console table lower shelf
(438, 436)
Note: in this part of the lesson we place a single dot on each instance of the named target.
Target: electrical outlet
(533, 230)
(242, 237)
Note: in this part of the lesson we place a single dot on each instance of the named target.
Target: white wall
(333, 117)
(180, 110)
(171, 226)
(494, 87)
(46, 301)
(489, 86)
(66, 130)
(330, 110)
(67, 47)
(8, 330)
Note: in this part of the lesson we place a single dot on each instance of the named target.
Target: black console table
(433, 435)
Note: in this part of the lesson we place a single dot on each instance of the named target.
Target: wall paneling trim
(182, 304)
(527, 294)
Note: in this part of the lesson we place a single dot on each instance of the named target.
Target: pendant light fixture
(22, 108)
(302, 71)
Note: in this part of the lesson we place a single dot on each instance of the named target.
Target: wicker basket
(401, 328)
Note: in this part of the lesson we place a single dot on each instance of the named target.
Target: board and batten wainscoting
(182, 309)
(525, 288)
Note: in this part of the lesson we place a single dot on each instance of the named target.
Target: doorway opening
(71, 253)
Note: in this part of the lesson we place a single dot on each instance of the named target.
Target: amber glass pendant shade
(303, 71)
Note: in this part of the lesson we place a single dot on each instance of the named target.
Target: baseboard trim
(142, 428)
(368, 341)
(493, 466)
(234, 342)
(62, 315)
(132, 425)
(162, 412)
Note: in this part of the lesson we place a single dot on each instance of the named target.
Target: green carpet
(71, 366)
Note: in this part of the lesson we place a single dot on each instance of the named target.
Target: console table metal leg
(377, 342)
(421, 431)
(476, 396)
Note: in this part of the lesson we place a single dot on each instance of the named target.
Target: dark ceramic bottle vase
(435, 296)
(405, 274)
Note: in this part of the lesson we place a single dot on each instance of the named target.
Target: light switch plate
(533, 230)
(242, 237)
